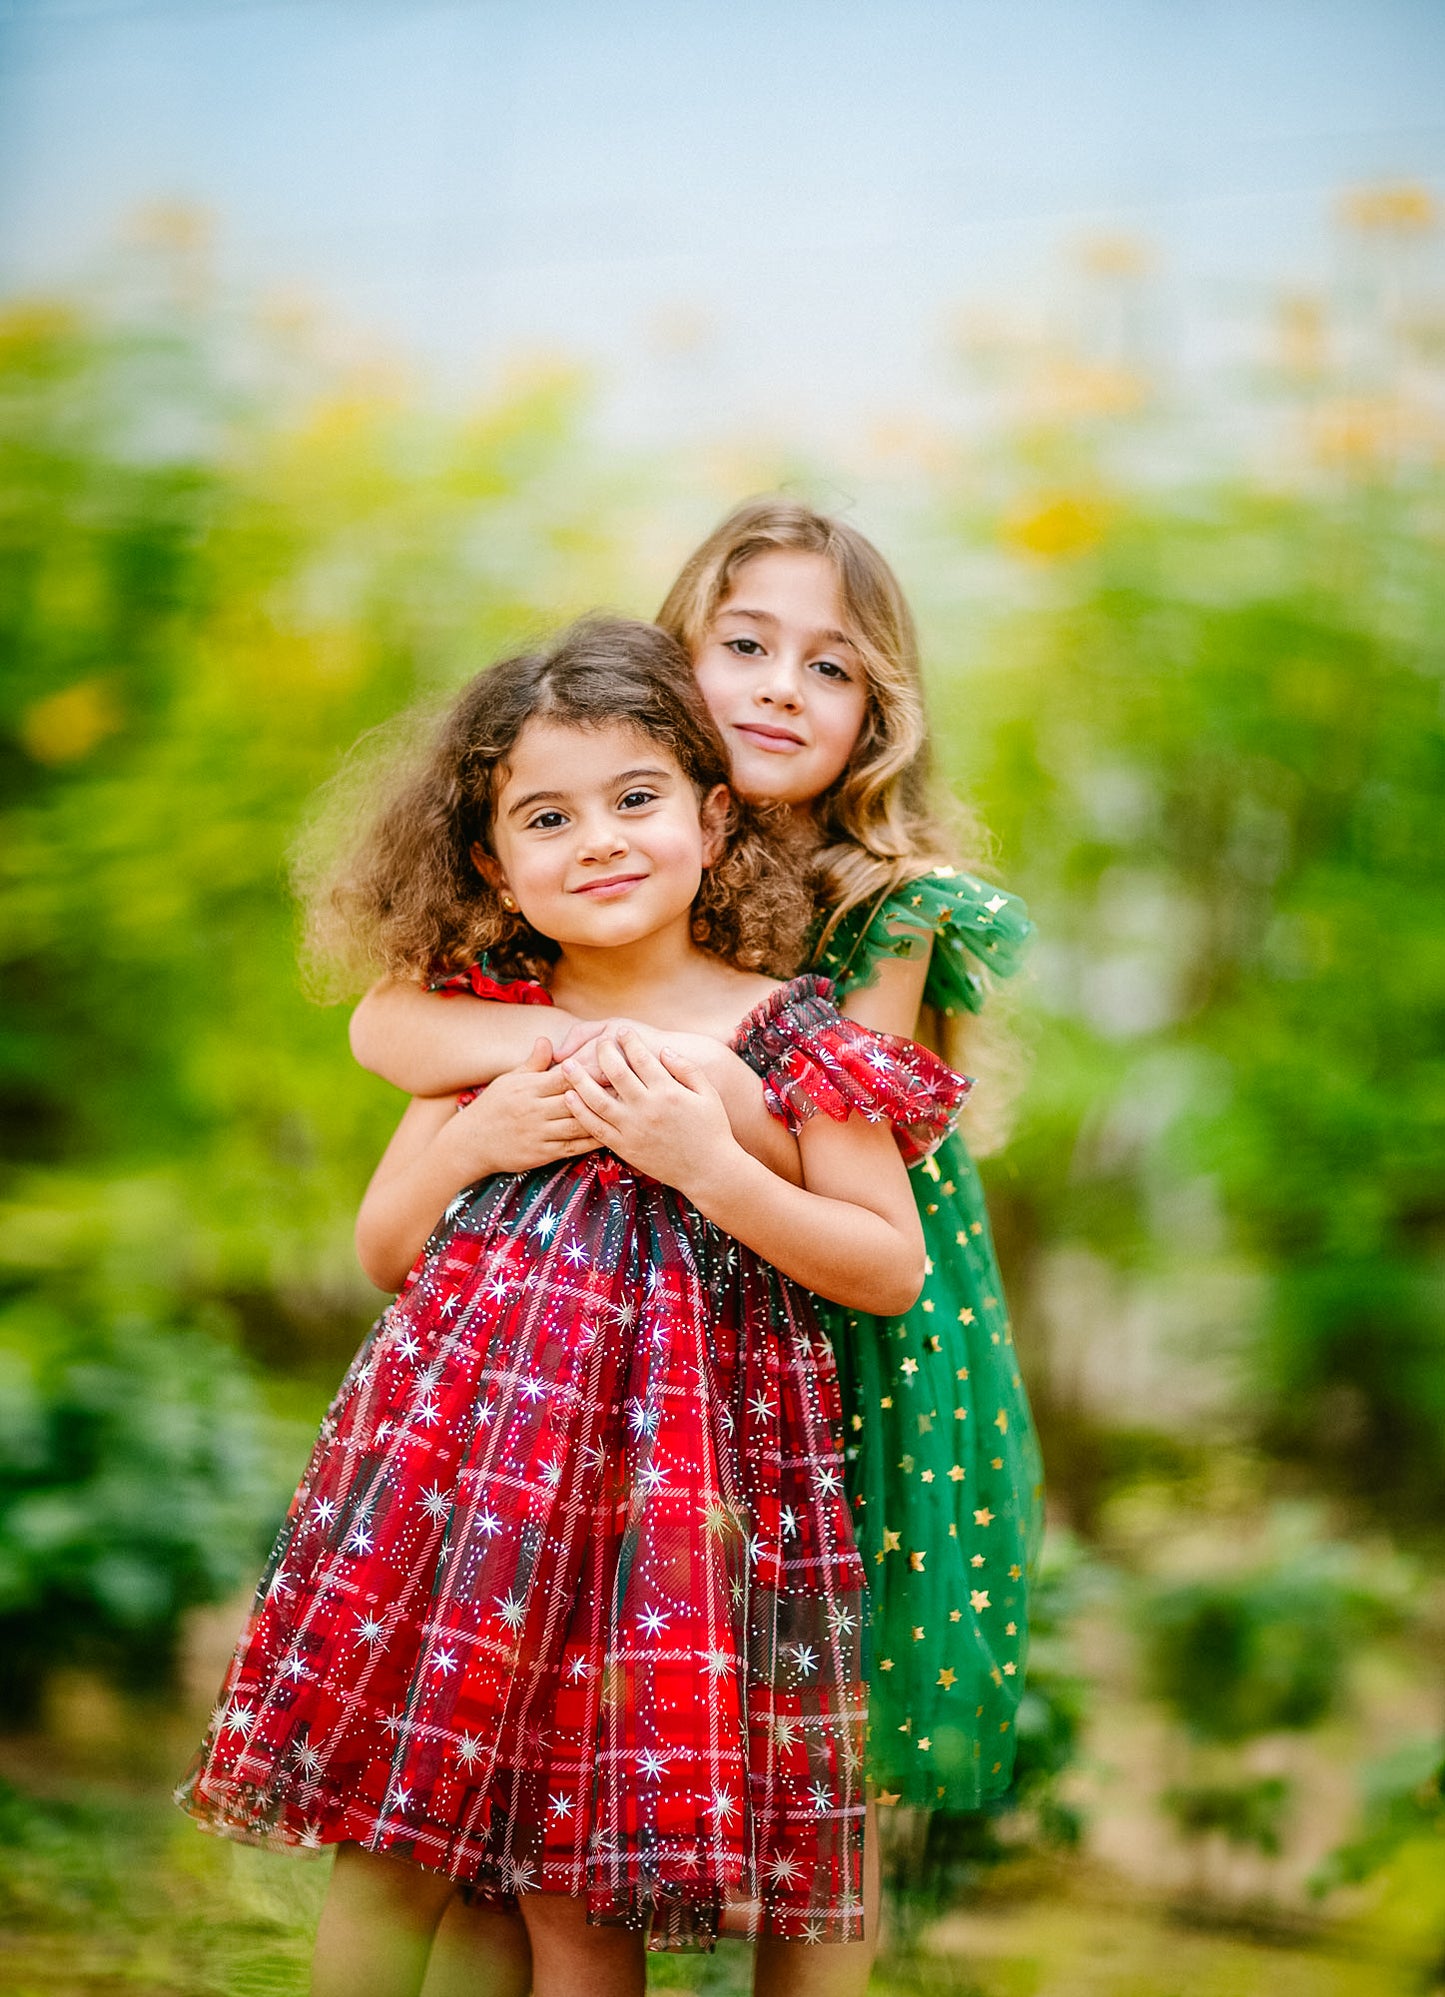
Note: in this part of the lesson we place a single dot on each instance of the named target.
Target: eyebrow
(534, 797)
(767, 617)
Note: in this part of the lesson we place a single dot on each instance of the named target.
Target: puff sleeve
(812, 1059)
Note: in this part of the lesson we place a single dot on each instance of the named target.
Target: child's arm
(437, 1150)
(892, 1001)
(850, 1232)
(439, 1043)
(436, 1044)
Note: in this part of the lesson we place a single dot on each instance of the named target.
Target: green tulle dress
(943, 1462)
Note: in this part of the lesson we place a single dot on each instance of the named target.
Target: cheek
(713, 683)
(837, 733)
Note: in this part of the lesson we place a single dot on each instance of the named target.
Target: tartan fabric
(568, 1598)
(813, 1061)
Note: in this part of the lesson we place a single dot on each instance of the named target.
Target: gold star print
(890, 1541)
(983, 1517)
(960, 1414)
(924, 1744)
(885, 1664)
(857, 1421)
(996, 1462)
(905, 1464)
(1009, 1670)
(910, 1367)
(888, 1797)
(977, 1560)
(961, 1374)
(926, 1477)
(953, 1529)
(928, 1265)
(918, 1632)
(1015, 1573)
(955, 1615)
(949, 1187)
(907, 1727)
(916, 1560)
(996, 1675)
(935, 1343)
(976, 1227)
(1000, 1421)
(990, 1303)
(978, 1600)
(961, 1238)
(994, 1336)
(1010, 1629)
(930, 1166)
(886, 1402)
(925, 1424)
(955, 1475)
(965, 1316)
(947, 1679)
(928, 1303)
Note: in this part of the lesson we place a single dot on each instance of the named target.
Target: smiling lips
(615, 884)
(778, 740)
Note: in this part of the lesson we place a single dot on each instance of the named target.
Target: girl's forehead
(790, 586)
(574, 751)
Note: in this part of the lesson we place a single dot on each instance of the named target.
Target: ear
(488, 866)
(715, 818)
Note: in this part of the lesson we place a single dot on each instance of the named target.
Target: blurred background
(342, 345)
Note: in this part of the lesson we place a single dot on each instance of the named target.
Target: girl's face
(598, 835)
(783, 678)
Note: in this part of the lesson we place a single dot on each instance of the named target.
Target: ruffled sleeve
(973, 927)
(812, 1059)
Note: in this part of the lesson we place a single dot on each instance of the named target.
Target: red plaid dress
(568, 1600)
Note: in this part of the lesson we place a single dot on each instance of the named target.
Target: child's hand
(519, 1121)
(584, 1040)
(658, 1111)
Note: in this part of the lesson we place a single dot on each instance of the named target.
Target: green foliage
(1212, 740)
(1404, 1804)
(1251, 1812)
(134, 1483)
(1233, 1656)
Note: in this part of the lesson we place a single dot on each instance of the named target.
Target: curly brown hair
(406, 899)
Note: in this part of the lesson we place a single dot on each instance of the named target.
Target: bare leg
(570, 1957)
(479, 1951)
(827, 1969)
(376, 1926)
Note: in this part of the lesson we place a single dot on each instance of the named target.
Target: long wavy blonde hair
(879, 825)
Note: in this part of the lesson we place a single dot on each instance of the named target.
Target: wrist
(722, 1178)
(464, 1153)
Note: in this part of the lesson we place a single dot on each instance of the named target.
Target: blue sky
(815, 187)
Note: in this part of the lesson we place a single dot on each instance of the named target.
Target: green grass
(106, 1892)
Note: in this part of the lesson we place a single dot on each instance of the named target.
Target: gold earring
(509, 905)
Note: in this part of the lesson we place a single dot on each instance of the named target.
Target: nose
(602, 837)
(780, 686)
